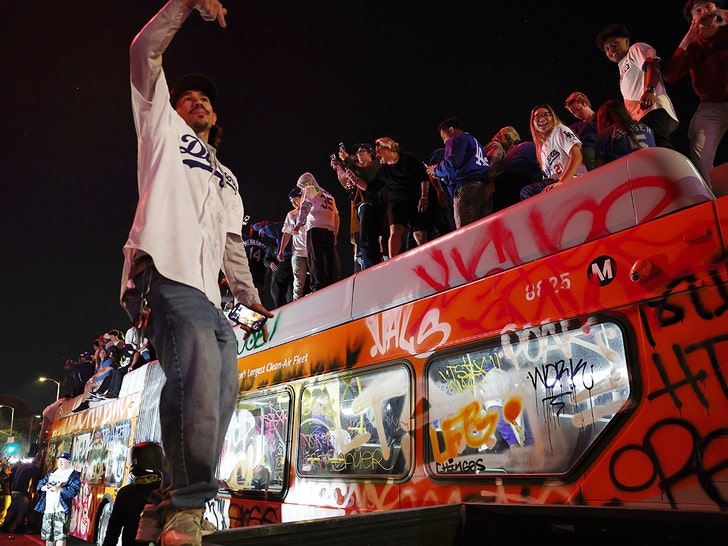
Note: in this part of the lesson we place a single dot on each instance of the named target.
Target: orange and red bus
(570, 350)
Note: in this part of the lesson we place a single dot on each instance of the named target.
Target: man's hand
(263, 311)
(210, 10)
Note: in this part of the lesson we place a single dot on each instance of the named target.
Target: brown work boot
(183, 528)
(150, 524)
(208, 527)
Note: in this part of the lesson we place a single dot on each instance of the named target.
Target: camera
(335, 160)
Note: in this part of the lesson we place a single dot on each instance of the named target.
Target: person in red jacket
(703, 54)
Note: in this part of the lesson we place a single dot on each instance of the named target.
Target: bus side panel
(674, 448)
(721, 207)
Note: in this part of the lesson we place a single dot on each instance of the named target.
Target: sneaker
(183, 528)
(150, 524)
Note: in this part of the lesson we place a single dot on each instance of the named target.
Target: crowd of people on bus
(99, 372)
(398, 202)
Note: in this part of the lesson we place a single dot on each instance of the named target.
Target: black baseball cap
(193, 81)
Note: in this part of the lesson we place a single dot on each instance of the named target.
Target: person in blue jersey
(255, 249)
(619, 134)
(280, 272)
(518, 169)
(463, 171)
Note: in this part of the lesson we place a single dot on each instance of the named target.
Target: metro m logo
(602, 270)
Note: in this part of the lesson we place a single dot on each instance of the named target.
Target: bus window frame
(576, 467)
(408, 410)
(261, 494)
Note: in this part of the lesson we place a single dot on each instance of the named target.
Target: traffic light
(11, 449)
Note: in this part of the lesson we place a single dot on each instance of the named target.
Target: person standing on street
(57, 489)
(186, 230)
(26, 476)
(147, 463)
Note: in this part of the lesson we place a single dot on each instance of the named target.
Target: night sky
(294, 79)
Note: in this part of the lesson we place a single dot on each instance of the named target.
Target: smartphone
(247, 317)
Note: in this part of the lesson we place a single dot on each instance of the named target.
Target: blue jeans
(535, 188)
(196, 347)
(370, 224)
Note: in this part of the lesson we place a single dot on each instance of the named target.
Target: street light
(30, 428)
(12, 417)
(58, 385)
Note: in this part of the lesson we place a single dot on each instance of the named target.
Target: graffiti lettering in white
(395, 326)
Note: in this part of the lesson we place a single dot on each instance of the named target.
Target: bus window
(357, 424)
(116, 443)
(533, 404)
(254, 454)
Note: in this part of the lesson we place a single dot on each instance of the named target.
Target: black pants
(281, 283)
(660, 122)
(370, 221)
(322, 262)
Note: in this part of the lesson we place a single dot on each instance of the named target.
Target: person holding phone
(186, 230)
(56, 492)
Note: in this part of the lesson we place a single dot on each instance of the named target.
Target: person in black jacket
(24, 479)
(146, 470)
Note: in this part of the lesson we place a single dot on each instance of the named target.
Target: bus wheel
(103, 524)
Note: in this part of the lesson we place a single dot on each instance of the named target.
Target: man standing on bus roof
(186, 230)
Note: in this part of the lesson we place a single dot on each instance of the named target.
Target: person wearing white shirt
(186, 230)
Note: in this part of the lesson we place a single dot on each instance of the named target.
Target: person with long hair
(619, 133)
(558, 151)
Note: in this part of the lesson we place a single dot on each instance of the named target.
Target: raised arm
(146, 49)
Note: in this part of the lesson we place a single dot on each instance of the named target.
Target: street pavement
(35, 540)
